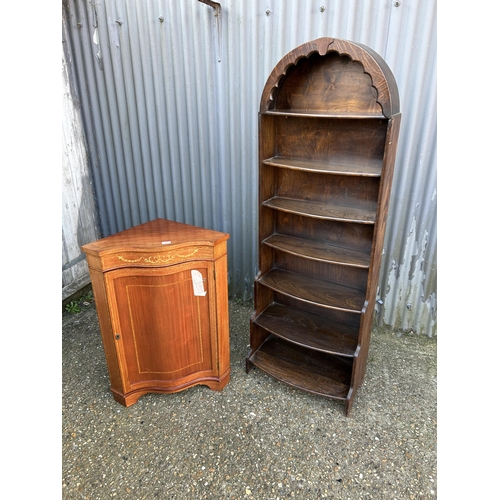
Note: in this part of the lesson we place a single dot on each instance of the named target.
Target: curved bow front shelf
(328, 128)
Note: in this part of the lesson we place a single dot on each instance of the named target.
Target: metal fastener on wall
(217, 11)
(214, 5)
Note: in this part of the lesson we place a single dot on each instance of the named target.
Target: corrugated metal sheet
(79, 220)
(170, 96)
(408, 279)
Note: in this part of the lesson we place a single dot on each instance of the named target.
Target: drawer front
(156, 258)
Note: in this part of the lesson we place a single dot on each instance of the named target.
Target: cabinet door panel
(164, 328)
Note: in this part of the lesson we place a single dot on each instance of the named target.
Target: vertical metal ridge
(409, 303)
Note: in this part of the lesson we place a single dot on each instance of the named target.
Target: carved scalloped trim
(274, 89)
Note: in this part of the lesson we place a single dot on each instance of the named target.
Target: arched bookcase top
(328, 75)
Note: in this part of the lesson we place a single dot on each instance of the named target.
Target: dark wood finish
(331, 140)
(305, 369)
(318, 250)
(382, 80)
(309, 330)
(328, 130)
(342, 164)
(322, 293)
(348, 210)
(158, 334)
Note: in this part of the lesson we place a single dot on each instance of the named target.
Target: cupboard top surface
(156, 234)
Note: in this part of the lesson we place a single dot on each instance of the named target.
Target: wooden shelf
(309, 330)
(311, 371)
(340, 165)
(314, 250)
(314, 291)
(349, 212)
(306, 113)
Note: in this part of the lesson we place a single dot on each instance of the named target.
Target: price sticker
(198, 288)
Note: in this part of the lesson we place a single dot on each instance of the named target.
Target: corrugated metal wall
(408, 279)
(170, 95)
(79, 219)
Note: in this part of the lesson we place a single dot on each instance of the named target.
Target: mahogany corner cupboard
(161, 295)
(328, 130)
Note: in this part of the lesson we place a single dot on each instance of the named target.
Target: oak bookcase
(328, 129)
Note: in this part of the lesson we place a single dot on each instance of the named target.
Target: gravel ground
(258, 438)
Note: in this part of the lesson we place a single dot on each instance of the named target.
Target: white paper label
(198, 283)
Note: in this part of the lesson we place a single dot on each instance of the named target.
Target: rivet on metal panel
(119, 21)
(79, 25)
(268, 12)
(408, 306)
(161, 18)
(322, 8)
(397, 3)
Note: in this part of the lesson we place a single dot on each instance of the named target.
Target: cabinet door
(163, 327)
